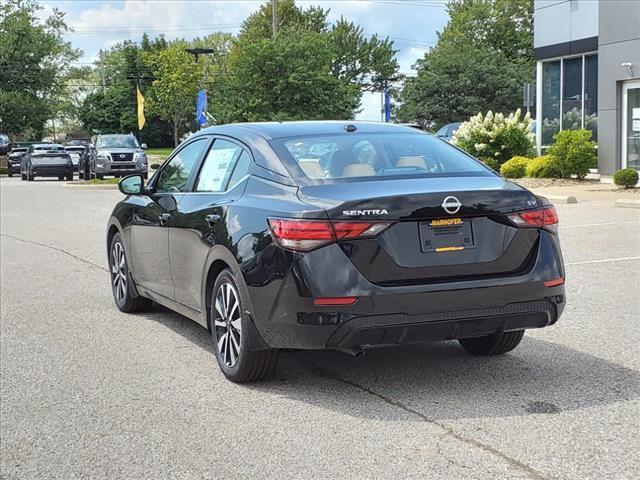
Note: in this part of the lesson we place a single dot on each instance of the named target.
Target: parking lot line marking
(602, 261)
(599, 224)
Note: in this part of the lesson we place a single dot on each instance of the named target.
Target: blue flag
(201, 107)
(387, 106)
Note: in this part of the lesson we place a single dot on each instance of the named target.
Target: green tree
(34, 59)
(482, 58)
(173, 92)
(311, 69)
(290, 79)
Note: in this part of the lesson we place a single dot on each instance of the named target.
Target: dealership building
(588, 75)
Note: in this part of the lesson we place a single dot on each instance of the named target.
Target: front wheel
(495, 344)
(230, 331)
(9, 173)
(120, 279)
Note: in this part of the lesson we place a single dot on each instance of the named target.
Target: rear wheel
(120, 286)
(230, 331)
(495, 344)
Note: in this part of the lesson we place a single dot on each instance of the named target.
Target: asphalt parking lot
(89, 392)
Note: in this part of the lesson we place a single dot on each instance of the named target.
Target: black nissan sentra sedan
(335, 235)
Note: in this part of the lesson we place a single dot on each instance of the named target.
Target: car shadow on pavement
(439, 381)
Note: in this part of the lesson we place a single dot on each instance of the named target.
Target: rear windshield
(124, 141)
(49, 149)
(365, 156)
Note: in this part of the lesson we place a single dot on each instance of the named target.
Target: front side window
(218, 166)
(377, 155)
(174, 176)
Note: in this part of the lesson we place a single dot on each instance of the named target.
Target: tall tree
(173, 92)
(482, 58)
(321, 77)
(34, 59)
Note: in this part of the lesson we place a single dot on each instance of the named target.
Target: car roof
(272, 130)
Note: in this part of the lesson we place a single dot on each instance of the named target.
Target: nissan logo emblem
(451, 205)
(122, 155)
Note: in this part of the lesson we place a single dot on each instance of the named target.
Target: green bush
(155, 166)
(543, 167)
(494, 139)
(627, 178)
(3, 170)
(574, 152)
(515, 168)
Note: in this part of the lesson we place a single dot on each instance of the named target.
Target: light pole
(195, 52)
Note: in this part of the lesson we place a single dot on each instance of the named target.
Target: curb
(627, 203)
(561, 198)
(97, 187)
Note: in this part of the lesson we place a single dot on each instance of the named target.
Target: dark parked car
(118, 155)
(446, 132)
(78, 151)
(15, 159)
(5, 144)
(46, 160)
(398, 238)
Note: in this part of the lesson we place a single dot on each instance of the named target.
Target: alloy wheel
(119, 272)
(228, 323)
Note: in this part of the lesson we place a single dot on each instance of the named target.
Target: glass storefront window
(550, 101)
(572, 94)
(576, 96)
(591, 94)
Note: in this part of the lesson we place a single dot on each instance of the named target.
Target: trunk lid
(426, 243)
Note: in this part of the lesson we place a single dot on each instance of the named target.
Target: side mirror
(131, 185)
(144, 146)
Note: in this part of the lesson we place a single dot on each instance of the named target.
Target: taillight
(306, 235)
(546, 218)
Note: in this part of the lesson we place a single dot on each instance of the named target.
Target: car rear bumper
(14, 167)
(51, 170)
(401, 314)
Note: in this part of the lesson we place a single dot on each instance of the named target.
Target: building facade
(588, 75)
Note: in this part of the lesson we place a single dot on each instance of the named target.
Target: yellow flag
(140, 108)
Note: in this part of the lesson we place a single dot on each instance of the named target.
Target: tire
(60, 178)
(229, 321)
(70, 177)
(495, 344)
(23, 177)
(9, 173)
(99, 176)
(120, 279)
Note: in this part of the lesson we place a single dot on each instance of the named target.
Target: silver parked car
(118, 155)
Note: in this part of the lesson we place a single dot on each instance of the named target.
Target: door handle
(212, 218)
(164, 218)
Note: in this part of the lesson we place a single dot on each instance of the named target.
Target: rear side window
(381, 155)
(218, 166)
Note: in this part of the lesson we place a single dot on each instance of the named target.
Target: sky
(99, 24)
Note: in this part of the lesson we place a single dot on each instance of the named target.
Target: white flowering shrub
(494, 138)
